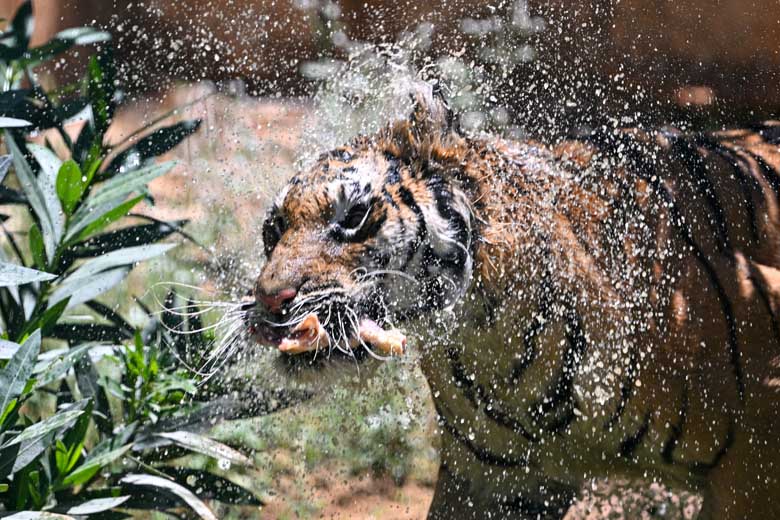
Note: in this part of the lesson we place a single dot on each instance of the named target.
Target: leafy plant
(91, 414)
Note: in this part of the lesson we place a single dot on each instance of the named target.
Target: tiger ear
(429, 124)
(431, 114)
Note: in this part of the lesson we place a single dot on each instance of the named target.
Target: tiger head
(375, 235)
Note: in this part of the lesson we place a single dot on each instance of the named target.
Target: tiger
(605, 306)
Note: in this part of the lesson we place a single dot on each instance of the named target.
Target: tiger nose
(274, 302)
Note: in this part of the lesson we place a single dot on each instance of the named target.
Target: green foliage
(89, 412)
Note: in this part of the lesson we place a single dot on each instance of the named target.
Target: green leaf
(5, 163)
(63, 41)
(182, 493)
(103, 218)
(78, 332)
(35, 195)
(49, 318)
(14, 376)
(37, 515)
(47, 179)
(12, 274)
(12, 122)
(215, 487)
(122, 257)
(41, 429)
(38, 437)
(73, 442)
(155, 144)
(7, 350)
(71, 184)
(92, 465)
(15, 42)
(128, 237)
(53, 369)
(97, 505)
(123, 185)
(80, 291)
(37, 248)
(207, 446)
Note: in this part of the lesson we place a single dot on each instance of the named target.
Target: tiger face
(367, 239)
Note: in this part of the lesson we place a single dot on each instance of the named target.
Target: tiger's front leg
(474, 483)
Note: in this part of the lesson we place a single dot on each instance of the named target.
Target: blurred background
(275, 82)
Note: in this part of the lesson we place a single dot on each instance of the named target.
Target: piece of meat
(309, 335)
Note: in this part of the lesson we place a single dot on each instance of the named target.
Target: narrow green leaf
(12, 275)
(53, 369)
(215, 487)
(8, 349)
(155, 144)
(122, 257)
(13, 378)
(207, 446)
(37, 515)
(97, 505)
(71, 184)
(128, 237)
(14, 42)
(42, 428)
(107, 218)
(47, 179)
(92, 465)
(37, 248)
(40, 437)
(63, 41)
(80, 291)
(34, 194)
(5, 164)
(123, 185)
(184, 494)
(8, 409)
(78, 332)
(12, 122)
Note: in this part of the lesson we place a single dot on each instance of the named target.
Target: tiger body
(602, 307)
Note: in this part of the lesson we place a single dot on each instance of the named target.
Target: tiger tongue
(309, 335)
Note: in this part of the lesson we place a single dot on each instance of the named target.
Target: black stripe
(695, 165)
(559, 394)
(725, 303)
(769, 131)
(476, 394)
(483, 455)
(770, 174)
(760, 285)
(647, 169)
(667, 453)
(408, 199)
(626, 388)
(728, 442)
(532, 332)
(442, 194)
(742, 178)
(393, 174)
(630, 444)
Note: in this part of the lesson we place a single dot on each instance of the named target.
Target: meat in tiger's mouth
(309, 335)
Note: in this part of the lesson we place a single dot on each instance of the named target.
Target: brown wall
(731, 46)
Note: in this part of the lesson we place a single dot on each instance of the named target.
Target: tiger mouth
(309, 335)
